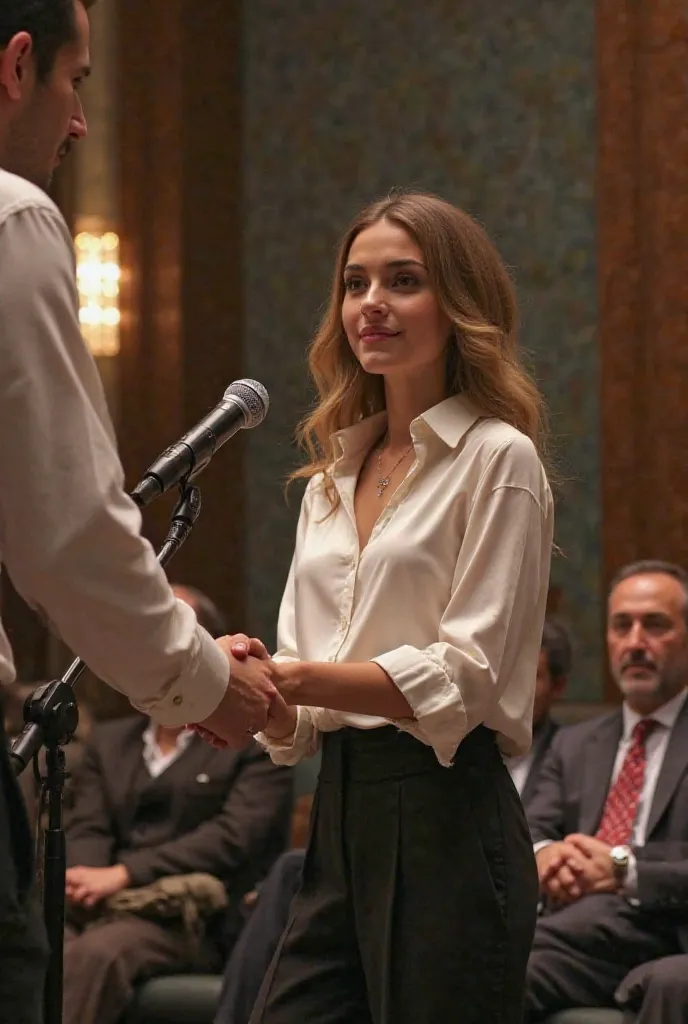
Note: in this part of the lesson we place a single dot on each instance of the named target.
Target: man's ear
(16, 65)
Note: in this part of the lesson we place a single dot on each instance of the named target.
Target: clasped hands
(252, 702)
(88, 886)
(574, 867)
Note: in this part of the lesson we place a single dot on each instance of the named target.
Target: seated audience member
(255, 948)
(150, 803)
(610, 816)
(553, 669)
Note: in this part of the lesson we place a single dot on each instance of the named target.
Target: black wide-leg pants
(419, 891)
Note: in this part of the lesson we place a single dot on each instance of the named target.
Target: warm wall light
(98, 277)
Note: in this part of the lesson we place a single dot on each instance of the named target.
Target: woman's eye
(406, 280)
(352, 284)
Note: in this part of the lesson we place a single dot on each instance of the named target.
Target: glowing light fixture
(98, 276)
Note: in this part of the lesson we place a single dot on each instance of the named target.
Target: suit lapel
(127, 757)
(192, 761)
(599, 754)
(673, 767)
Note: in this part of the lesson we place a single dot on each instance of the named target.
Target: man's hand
(241, 646)
(559, 865)
(244, 708)
(89, 886)
(597, 872)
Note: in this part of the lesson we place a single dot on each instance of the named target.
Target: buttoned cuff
(436, 701)
(303, 742)
(630, 886)
(197, 692)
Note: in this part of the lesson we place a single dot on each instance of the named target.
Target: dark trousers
(102, 964)
(256, 946)
(582, 953)
(23, 943)
(419, 891)
(656, 993)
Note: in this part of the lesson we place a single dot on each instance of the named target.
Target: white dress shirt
(449, 594)
(519, 769)
(69, 536)
(156, 760)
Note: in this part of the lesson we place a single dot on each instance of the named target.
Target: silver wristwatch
(621, 856)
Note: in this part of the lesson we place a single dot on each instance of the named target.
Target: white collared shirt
(157, 761)
(448, 595)
(519, 769)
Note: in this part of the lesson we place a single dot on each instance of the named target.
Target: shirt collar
(666, 715)
(150, 739)
(450, 421)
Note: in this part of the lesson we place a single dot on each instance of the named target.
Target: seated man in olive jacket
(149, 803)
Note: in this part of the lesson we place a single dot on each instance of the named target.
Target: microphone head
(252, 398)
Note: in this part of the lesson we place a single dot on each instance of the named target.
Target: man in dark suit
(609, 819)
(553, 669)
(151, 802)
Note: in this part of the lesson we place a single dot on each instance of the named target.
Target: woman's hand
(281, 719)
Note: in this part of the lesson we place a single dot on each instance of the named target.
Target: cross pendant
(381, 484)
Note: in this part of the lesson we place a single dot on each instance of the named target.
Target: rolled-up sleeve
(493, 622)
(69, 535)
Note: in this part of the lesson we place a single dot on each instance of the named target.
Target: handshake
(252, 702)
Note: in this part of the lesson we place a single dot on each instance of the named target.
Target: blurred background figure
(553, 670)
(152, 803)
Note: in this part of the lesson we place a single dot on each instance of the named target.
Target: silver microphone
(244, 405)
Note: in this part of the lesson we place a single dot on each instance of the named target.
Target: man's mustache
(637, 661)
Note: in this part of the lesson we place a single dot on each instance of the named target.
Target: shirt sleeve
(69, 535)
(496, 606)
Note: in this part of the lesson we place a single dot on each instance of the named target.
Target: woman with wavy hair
(409, 635)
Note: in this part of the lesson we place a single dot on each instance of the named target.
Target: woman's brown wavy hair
(475, 291)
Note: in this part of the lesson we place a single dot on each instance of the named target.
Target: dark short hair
(50, 23)
(556, 643)
(207, 612)
(651, 567)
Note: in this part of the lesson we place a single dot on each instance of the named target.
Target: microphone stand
(51, 714)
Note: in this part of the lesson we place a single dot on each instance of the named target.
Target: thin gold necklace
(383, 481)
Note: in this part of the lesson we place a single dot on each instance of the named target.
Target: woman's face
(390, 314)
